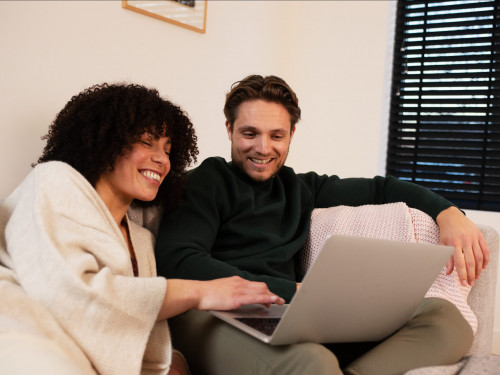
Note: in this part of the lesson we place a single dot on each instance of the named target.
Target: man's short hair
(270, 88)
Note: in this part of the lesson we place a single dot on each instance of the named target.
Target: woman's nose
(160, 156)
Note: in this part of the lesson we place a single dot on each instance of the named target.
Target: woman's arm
(220, 294)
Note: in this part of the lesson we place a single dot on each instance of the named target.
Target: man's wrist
(448, 212)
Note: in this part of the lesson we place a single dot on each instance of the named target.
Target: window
(444, 122)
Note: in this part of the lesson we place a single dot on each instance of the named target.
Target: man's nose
(263, 145)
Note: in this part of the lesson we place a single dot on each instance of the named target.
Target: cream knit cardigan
(66, 275)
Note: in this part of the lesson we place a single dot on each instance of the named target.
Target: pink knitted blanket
(395, 221)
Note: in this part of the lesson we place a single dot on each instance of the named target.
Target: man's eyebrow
(247, 127)
(253, 128)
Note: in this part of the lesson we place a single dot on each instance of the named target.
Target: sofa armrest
(482, 301)
(482, 296)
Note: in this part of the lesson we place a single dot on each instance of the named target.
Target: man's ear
(292, 133)
(228, 129)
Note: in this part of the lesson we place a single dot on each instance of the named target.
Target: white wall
(334, 54)
(50, 50)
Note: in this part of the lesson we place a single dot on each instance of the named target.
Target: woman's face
(138, 173)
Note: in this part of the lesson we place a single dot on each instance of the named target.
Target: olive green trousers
(436, 334)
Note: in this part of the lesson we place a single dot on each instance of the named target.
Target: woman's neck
(116, 206)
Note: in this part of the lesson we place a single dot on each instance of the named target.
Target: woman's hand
(233, 292)
(471, 254)
(219, 294)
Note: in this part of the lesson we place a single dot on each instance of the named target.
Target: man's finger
(460, 266)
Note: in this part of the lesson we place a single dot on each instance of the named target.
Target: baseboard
(495, 347)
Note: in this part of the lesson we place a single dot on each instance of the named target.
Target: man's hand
(471, 254)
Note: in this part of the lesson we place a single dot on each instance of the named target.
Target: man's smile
(260, 161)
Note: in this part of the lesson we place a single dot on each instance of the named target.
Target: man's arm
(471, 251)
(332, 191)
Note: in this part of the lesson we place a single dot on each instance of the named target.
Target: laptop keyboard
(264, 325)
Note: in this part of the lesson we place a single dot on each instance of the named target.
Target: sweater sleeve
(68, 256)
(332, 191)
(187, 235)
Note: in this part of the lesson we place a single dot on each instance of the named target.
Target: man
(250, 217)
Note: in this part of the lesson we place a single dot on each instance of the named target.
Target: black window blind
(444, 122)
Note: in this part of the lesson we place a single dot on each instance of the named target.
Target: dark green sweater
(229, 225)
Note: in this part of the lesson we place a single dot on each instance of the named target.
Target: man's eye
(248, 134)
(146, 143)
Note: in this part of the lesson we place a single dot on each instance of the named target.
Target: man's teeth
(151, 175)
(260, 161)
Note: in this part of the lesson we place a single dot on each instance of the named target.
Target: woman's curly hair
(104, 121)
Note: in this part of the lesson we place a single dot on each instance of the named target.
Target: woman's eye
(146, 143)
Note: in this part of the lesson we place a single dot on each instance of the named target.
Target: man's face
(260, 138)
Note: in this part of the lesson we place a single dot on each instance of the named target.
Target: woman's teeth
(151, 175)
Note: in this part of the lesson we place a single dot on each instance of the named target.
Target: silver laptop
(358, 289)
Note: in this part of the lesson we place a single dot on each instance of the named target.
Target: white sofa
(482, 296)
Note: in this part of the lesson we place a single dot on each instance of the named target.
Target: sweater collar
(247, 179)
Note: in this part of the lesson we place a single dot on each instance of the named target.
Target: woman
(69, 254)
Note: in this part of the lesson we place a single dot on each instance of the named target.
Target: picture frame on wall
(191, 14)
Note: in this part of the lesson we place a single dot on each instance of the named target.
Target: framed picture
(191, 14)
